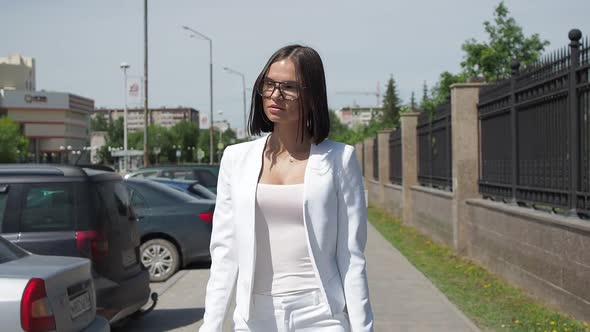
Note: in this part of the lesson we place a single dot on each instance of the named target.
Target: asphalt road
(181, 304)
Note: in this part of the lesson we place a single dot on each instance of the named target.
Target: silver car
(46, 293)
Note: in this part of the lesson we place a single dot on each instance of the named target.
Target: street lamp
(191, 152)
(178, 149)
(125, 66)
(196, 33)
(220, 144)
(65, 153)
(232, 71)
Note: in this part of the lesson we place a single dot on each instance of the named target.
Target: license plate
(80, 305)
(129, 257)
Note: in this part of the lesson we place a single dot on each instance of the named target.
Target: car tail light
(206, 216)
(91, 244)
(36, 314)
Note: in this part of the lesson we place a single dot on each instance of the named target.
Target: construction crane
(377, 94)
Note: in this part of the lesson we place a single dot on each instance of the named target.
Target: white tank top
(283, 265)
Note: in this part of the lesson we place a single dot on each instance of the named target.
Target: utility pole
(146, 159)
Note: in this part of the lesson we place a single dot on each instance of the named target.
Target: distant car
(206, 175)
(46, 293)
(71, 211)
(192, 188)
(175, 228)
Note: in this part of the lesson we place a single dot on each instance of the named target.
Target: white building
(56, 124)
(17, 73)
(163, 116)
(357, 116)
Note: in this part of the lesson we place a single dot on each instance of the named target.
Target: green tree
(186, 133)
(491, 59)
(12, 142)
(338, 130)
(113, 139)
(158, 137)
(391, 105)
(98, 123)
(412, 102)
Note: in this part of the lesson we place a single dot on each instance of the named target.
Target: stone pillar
(368, 159)
(409, 163)
(358, 150)
(465, 144)
(383, 138)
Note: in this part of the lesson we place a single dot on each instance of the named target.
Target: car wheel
(161, 259)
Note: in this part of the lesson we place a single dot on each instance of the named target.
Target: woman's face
(281, 106)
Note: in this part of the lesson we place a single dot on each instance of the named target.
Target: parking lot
(180, 306)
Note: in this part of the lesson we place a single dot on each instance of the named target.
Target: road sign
(200, 154)
(178, 153)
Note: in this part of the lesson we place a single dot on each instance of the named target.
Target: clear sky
(78, 45)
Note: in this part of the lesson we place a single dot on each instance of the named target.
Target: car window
(47, 207)
(115, 198)
(137, 201)
(205, 178)
(181, 175)
(10, 252)
(160, 194)
(143, 175)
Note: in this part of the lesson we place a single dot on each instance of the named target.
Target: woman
(290, 221)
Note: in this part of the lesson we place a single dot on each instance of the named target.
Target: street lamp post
(125, 66)
(232, 71)
(210, 86)
(146, 158)
(191, 153)
(178, 151)
(220, 144)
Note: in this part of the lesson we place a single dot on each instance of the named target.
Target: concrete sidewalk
(403, 298)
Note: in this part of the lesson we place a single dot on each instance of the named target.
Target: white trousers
(304, 312)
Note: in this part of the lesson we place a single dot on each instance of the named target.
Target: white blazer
(335, 219)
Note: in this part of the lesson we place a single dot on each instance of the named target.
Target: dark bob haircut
(314, 119)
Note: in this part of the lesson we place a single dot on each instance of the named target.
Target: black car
(175, 227)
(72, 211)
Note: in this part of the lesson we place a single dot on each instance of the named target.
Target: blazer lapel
(317, 165)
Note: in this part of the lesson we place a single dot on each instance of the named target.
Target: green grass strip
(489, 301)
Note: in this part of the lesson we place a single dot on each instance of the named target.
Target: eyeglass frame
(274, 87)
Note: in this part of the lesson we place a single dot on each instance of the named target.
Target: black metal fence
(376, 158)
(434, 148)
(535, 133)
(395, 156)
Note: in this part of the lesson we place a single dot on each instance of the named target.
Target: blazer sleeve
(224, 266)
(352, 238)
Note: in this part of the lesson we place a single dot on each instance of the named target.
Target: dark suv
(72, 211)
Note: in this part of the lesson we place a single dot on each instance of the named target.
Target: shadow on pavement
(198, 266)
(163, 320)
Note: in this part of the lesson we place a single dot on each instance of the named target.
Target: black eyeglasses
(288, 90)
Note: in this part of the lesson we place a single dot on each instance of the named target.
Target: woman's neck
(288, 138)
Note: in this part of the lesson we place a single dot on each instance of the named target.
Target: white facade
(55, 123)
(17, 73)
(357, 116)
(166, 117)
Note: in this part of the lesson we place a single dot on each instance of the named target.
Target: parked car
(46, 293)
(193, 188)
(175, 228)
(70, 211)
(206, 175)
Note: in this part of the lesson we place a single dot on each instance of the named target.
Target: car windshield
(10, 252)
